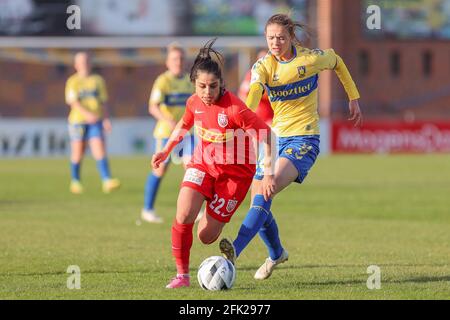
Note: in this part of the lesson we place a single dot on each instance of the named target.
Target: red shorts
(224, 194)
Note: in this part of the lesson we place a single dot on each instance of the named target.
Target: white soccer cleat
(228, 250)
(267, 267)
(150, 216)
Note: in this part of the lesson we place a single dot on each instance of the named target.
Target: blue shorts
(184, 148)
(302, 151)
(84, 132)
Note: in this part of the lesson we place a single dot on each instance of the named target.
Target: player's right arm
(181, 128)
(254, 96)
(156, 98)
(155, 111)
(257, 81)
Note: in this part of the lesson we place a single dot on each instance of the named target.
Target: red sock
(181, 245)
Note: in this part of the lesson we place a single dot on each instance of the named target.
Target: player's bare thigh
(189, 204)
(285, 174)
(97, 146)
(77, 150)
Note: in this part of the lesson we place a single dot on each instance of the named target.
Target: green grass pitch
(351, 212)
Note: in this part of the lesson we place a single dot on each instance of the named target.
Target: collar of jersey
(295, 56)
(171, 75)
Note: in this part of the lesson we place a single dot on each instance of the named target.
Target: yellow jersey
(90, 91)
(292, 88)
(170, 93)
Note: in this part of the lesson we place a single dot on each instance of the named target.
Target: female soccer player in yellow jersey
(86, 95)
(289, 73)
(167, 105)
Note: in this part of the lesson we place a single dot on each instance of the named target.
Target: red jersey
(225, 129)
(264, 110)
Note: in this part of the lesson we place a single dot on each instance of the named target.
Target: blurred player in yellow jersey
(88, 119)
(289, 73)
(167, 105)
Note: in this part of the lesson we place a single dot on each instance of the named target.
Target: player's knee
(185, 214)
(76, 158)
(183, 217)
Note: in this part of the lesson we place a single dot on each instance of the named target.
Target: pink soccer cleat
(178, 282)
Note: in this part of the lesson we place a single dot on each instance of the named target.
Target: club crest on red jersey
(231, 205)
(222, 120)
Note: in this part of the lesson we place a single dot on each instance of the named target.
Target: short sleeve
(325, 59)
(188, 117)
(71, 92)
(158, 93)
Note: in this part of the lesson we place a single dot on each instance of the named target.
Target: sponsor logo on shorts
(304, 149)
(194, 175)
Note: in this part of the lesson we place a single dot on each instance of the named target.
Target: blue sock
(103, 168)
(269, 234)
(151, 189)
(254, 220)
(75, 171)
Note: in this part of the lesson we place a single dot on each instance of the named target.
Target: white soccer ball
(216, 273)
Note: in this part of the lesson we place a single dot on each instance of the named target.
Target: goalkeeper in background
(88, 119)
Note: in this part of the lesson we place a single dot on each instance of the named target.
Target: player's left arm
(258, 77)
(107, 125)
(351, 90)
(328, 59)
(103, 98)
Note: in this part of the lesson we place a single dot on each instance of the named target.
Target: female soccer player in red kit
(221, 169)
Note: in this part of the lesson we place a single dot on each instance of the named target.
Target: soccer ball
(216, 273)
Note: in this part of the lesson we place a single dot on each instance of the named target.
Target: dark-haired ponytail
(204, 62)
